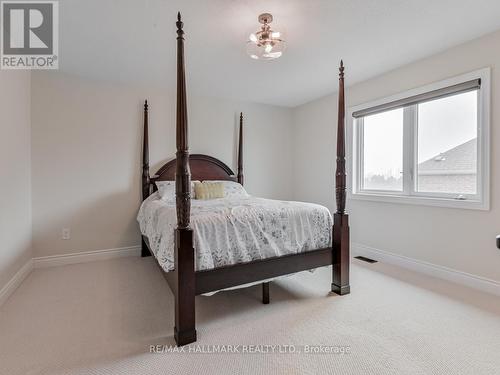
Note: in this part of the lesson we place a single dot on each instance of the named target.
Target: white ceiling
(133, 42)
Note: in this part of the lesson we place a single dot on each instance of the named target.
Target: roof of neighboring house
(460, 159)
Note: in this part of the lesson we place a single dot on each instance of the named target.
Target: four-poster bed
(184, 279)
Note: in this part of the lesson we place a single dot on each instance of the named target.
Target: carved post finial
(340, 174)
(179, 25)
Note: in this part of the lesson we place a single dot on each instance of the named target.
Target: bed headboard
(202, 167)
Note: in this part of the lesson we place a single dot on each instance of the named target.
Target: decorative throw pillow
(233, 189)
(208, 190)
(166, 189)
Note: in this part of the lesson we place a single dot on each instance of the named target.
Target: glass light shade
(268, 49)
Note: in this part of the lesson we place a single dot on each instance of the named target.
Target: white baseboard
(459, 277)
(14, 283)
(60, 260)
(87, 256)
(441, 272)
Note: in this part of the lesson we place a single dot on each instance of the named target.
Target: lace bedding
(236, 230)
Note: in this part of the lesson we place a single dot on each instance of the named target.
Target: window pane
(447, 145)
(383, 151)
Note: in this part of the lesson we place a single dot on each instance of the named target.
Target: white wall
(15, 185)
(87, 139)
(460, 239)
(86, 145)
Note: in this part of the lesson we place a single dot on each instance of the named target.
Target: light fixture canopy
(265, 44)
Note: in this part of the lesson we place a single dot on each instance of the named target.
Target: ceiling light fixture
(265, 44)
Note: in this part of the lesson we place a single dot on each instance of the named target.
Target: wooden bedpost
(240, 177)
(146, 191)
(240, 151)
(146, 179)
(184, 331)
(341, 253)
(265, 286)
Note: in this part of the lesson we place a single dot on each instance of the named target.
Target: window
(426, 146)
(383, 166)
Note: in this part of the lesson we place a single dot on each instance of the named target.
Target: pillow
(208, 190)
(233, 189)
(166, 189)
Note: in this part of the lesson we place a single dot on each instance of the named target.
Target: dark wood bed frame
(184, 281)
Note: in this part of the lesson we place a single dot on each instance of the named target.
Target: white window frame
(409, 195)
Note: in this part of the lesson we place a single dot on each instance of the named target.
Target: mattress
(235, 230)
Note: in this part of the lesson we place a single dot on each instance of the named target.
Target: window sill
(422, 201)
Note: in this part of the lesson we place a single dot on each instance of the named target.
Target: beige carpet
(102, 317)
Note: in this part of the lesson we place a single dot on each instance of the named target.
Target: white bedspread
(228, 231)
